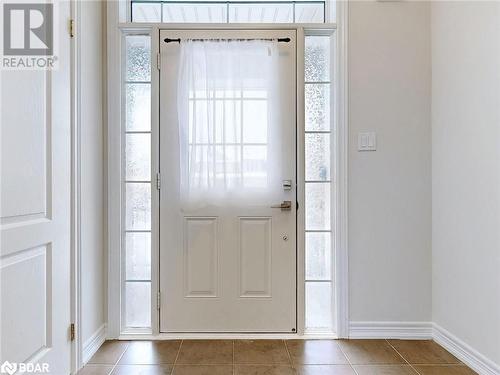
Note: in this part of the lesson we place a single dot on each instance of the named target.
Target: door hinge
(158, 181)
(158, 300)
(158, 61)
(72, 331)
(72, 28)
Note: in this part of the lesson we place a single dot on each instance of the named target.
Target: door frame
(116, 29)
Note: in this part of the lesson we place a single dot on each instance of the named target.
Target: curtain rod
(178, 40)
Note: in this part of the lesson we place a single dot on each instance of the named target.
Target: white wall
(92, 174)
(390, 189)
(466, 172)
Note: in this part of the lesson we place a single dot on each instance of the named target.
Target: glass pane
(138, 304)
(261, 13)
(146, 12)
(255, 121)
(138, 58)
(255, 166)
(317, 107)
(138, 206)
(196, 13)
(318, 305)
(318, 256)
(138, 111)
(317, 206)
(309, 13)
(317, 59)
(317, 157)
(138, 157)
(138, 257)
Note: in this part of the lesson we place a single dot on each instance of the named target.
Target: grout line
(289, 355)
(119, 358)
(404, 359)
(177, 356)
(347, 358)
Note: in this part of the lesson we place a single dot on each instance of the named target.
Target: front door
(228, 181)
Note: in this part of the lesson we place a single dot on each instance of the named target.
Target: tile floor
(274, 357)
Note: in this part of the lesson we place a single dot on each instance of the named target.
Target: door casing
(115, 32)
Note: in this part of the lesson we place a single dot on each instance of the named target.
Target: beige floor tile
(264, 370)
(109, 353)
(444, 370)
(203, 370)
(206, 352)
(260, 352)
(423, 352)
(316, 352)
(325, 370)
(96, 370)
(150, 352)
(142, 370)
(370, 352)
(385, 370)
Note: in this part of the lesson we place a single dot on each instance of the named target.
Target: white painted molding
(391, 330)
(226, 336)
(92, 345)
(464, 352)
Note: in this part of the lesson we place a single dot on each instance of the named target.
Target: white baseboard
(93, 344)
(425, 331)
(390, 330)
(465, 353)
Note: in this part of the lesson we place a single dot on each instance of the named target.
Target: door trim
(116, 26)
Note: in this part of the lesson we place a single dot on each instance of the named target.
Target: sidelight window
(137, 183)
(318, 183)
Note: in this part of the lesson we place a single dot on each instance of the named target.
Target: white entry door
(35, 210)
(227, 156)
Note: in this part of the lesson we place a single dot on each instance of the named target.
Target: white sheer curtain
(229, 128)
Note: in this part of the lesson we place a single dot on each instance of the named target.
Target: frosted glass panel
(318, 256)
(146, 12)
(309, 13)
(317, 106)
(318, 305)
(138, 58)
(196, 13)
(138, 157)
(317, 206)
(138, 305)
(317, 157)
(138, 107)
(261, 13)
(317, 59)
(138, 206)
(138, 256)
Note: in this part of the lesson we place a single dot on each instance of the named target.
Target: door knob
(285, 206)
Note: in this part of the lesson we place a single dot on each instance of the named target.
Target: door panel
(230, 267)
(35, 211)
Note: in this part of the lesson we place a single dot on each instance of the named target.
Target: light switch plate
(367, 141)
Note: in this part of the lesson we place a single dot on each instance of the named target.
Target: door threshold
(228, 336)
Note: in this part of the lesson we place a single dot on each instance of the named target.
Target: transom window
(199, 11)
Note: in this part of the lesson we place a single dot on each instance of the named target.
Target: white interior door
(228, 264)
(35, 210)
